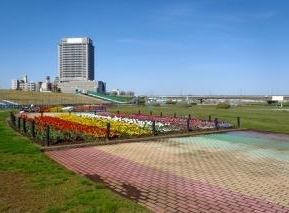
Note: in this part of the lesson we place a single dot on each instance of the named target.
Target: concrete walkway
(187, 175)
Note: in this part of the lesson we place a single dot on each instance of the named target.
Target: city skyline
(155, 47)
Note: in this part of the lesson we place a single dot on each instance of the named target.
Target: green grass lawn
(31, 182)
(257, 117)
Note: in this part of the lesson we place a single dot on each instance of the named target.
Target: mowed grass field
(31, 182)
(46, 98)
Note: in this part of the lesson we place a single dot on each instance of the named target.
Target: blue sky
(154, 47)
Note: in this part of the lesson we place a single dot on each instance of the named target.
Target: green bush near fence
(184, 105)
(223, 106)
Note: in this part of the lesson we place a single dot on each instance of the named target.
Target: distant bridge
(217, 97)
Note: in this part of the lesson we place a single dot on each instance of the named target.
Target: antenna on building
(25, 79)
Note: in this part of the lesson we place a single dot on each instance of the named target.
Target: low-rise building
(82, 86)
(23, 84)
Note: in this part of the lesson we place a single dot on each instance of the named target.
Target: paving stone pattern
(195, 174)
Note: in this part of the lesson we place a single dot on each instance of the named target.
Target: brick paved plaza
(232, 172)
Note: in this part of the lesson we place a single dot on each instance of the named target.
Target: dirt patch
(15, 194)
(21, 192)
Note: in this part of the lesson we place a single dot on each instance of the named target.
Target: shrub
(184, 105)
(155, 104)
(223, 106)
(141, 101)
(171, 102)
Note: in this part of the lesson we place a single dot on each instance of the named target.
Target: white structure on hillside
(279, 99)
(23, 84)
(46, 85)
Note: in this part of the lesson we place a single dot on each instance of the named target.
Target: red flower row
(68, 126)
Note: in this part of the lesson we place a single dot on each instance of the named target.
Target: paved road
(196, 174)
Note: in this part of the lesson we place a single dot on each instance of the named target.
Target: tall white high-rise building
(76, 59)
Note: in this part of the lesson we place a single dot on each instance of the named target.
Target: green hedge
(223, 106)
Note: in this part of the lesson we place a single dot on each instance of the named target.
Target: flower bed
(173, 123)
(83, 127)
(64, 131)
(122, 127)
(138, 123)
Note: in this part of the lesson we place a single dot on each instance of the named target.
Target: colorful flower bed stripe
(161, 126)
(74, 127)
(176, 122)
(68, 131)
(125, 129)
(70, 126)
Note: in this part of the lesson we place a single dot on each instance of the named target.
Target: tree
(130, 93)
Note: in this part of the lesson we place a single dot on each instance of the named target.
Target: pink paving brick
(140, 182)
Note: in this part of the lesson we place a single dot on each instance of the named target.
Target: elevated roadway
(217, 97)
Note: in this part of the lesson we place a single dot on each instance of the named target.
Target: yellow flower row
(118, 126)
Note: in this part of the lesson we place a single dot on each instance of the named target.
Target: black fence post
(33, 129)
(210, 118)
(189, 116)
(188, 124)
(24, 125)
(161, 114)
(47, 134)
(117, 112)
(108, 131)
(238, 122)
(216, 123)
(13, 118)
(139, 112)
(151, 112)
(154, 127)
(175, 115)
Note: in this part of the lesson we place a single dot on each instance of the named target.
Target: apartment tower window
(76, 59)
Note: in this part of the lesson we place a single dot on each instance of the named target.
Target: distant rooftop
(84, 40)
